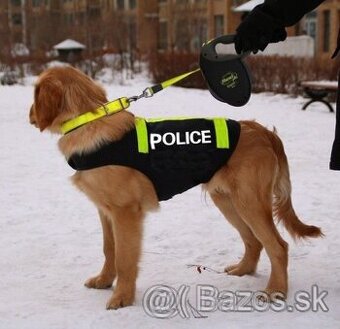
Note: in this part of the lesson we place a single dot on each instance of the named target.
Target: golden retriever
(250, 190)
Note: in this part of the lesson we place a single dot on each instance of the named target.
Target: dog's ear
(83, 94)
(48, 97)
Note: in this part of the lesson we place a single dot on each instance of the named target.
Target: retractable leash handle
(227, 76)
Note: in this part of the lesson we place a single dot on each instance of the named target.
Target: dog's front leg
(108, 273)
(127, 230)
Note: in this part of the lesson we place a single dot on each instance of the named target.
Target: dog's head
(62, 93)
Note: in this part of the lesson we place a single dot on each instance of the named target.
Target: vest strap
(222, 134)
(142, 135)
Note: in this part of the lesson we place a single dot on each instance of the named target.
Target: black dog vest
(175, 154)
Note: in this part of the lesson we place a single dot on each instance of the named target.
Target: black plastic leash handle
(226, 75)
(209, 49)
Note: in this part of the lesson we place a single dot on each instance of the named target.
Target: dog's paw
(272, 295)
(239, 269)
(99, 282)
(119, 300)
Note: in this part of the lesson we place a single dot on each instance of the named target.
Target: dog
(250, 190)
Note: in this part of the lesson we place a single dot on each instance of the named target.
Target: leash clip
(147, 93)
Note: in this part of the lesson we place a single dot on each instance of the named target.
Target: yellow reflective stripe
(222, 134)
(107, 109)
(142, 135)
(174, 80)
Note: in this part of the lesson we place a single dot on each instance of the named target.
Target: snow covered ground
(50, 236)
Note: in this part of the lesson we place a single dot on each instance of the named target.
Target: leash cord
(150, 91)
(201, 268)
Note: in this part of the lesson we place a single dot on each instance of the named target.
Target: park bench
(318, 91)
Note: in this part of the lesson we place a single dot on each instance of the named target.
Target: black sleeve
(289, 11)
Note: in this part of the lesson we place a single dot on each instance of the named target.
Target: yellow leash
(172, 81)
(119, 104)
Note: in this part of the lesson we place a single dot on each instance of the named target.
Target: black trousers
(335, 155)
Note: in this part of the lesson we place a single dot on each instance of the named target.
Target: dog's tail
(282, 206)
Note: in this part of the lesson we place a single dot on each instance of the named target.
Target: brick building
(328, 21)
(144, 26)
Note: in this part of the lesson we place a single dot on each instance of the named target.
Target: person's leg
(335, 155)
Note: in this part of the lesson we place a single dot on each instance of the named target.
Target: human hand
(257, 30)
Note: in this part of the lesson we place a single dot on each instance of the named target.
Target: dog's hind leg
(108, 273)
(257, 213)
(252, 246)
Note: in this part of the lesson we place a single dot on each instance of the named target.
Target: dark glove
(257, 30)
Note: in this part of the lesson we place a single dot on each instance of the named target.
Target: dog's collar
(109, 108)
(120, 104)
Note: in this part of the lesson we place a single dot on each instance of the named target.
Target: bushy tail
(282, 207)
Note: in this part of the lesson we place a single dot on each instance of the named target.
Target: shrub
(284, 74)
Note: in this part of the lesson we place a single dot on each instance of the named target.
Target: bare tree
(121, 38)
(188, 25)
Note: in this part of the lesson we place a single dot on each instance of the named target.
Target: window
(182, 41)
(94, 13)
(310, 24)
(16, 19)
(163, 36)
(16, 3)
(326, 30)
(68, 19)
(201, 35)
(218, 25)
(120, 4)
(132, 4)
(132, 26)
(80, 18)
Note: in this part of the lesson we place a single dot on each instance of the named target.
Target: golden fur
(252, 188)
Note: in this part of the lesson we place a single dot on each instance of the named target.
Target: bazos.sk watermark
(163, 302)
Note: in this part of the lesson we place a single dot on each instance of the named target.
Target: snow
(322, 84)
(51, 238)
(19, 49)
(69, 44)
(248, 6)
(296, 46)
